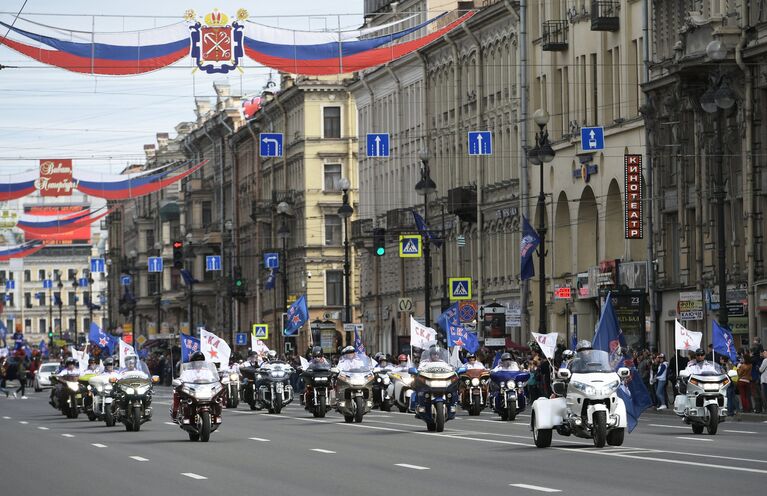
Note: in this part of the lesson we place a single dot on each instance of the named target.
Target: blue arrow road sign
(83, 282)
(378, 144)
(270, 144)
(154, 264)
(47, 284)
(241, 339)
(10, 284)
(592, 138)
(97, 265)
(212, 263)
(480, 143)
(271, 260)
(126, 280)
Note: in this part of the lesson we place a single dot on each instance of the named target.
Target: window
(27, 325)
(332, 177)
(41, 275)
(57, 298)
(150, 240)
(71, 327)
(27, 276)
(71, 298)
(43, 323)
(331, 117)
(71, 274)
(57, 324)
(2, 275)
(41, 299)
(334, 288)
(27, 300)
(332, 230)
(207, 213)
(56, 274)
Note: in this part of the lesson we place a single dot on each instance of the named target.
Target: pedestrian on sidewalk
(756, 386)
(763, 380)
(660, 379)
(744, 383)
(21, 374)
(3, 377)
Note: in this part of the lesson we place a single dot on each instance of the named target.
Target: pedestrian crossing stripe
(460, 288)
(410, 245)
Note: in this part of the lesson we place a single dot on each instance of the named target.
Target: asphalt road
(293, 453)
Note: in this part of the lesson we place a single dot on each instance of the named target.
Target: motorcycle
(102, 399)
(353, 391)
(67, 394)
(587, 405)
(200, 400)
(703, 399)
(133, 397)
(273, 389)
(473, 390)
(250, 376)
(402, 382)
(382, 390)
(507, 395)
(318, 391)
(436, 387)
(88, 394)
(231, 382)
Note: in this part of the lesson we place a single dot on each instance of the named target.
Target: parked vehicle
(703, 399)
(507, 393)
(43, 376)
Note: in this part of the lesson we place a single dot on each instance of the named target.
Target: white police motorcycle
(587, 405)
(703, 402)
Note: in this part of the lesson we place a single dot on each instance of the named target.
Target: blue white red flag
(101, 339)
(723, 342)
(298, 314)
(189, 345)
(530, 240)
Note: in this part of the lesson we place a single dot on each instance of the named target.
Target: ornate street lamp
(424, 187)
(345, 211)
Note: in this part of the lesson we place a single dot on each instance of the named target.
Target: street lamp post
(283, 233)
(423, 188)
(541, 154)
(90, 299)
(230, 277)
(50, 309)
(345, 211)
(60, 303)
(718, 96)
(75, 285)
(132, 271)
(158, 276)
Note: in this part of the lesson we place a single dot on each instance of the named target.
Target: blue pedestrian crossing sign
(270, 144)
(126, 280)
(47, 284)
(410, 245)
(241, 339)
(10, 284)
(480, 143)
(460, 288)
(154, 264)
(271, 260)
(378, 144)
(592, 138)
(261, 331)
(97, 265)
(212, 263)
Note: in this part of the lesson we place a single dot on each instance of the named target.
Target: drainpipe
(254, 144)
(458, 99)
(748, 174)
(285, 186)
(427, 144)
(234, 308)
(522, 133)
(480, 166)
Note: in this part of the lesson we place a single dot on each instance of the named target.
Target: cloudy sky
(103, 122)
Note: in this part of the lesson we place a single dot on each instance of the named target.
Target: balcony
(604, 15)
(463, 203)
(362, 229)
(400, 219)
(554, 37)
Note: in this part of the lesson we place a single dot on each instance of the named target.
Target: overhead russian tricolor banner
(20, 251)
(217, 43)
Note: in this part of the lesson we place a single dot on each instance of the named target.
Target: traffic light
(178, 255)
(379, 241)
(239, 285)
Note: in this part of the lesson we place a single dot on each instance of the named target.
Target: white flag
(304, 362)
(420, 335)
(547, 342)
(685, 339)
(81, 357)
(258, 346)
(455, 358)
(214, 348)
(126, 350)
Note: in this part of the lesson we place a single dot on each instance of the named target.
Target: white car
(43, 375)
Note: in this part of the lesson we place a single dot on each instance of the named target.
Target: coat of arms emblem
(216, 43)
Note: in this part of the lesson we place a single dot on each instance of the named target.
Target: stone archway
(614, 229)
(588, 231)
(563, 237)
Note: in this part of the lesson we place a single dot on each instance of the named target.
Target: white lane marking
(739, 432)
(140, 458)
(68, 435)
(23, 422)
(669, 426)
(259, 439)
(43, 428)
(318, 450)
(170, 423)
(414, 467)
(695, 438)
(193, 476)
(99, 445)
(681, 462)
(7, 418)
(378, 416)
(537, 488)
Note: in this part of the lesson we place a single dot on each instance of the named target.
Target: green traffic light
(238, 283)
(380, 251)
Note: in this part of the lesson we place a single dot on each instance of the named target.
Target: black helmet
(469, 356)
(251, 353)
(347, 350)
(317, 352)
(91, 360)
(109, 362)
(197, 356)
(434, 350)
(700, 351)
(583, 344)
(71, 361)
(506, 356)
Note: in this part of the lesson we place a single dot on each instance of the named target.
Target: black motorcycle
(133, 397)
(201, 397)
(318, 392)
(273, 386)
(248, 388)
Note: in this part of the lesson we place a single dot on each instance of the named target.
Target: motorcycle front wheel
(359, 411)
(109, 417)
(713, 419)
(277, 407)
(600, 429)
(511, 413)
(204, 427)
(321, 407)
(136, 419)
(439, 417)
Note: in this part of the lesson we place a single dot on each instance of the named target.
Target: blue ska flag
(723, 343)
(298, 314)
(101, 339)
(574, 339)
(456, 333)
(43, 348)
(189, 344)
(359, 347)
(610, 338)
(271, 279)
(188, 277)
(421, 225)
(3, 333)
(528, 244)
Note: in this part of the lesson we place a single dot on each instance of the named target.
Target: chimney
(162, 140)
(223, 91)
(149, 151)
(203, 107)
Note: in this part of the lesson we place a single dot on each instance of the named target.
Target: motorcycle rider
(191, 375)
(402, 364)
(473, 363)
(318, 358)
(383, 363)
(349, 360)
(252, 360)
(507, 363)
(434, 355)
(131, 366)
(71, 367)
(700, 364)
(109, 368)
(93, 367)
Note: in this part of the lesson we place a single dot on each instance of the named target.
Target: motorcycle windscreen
(198, 372)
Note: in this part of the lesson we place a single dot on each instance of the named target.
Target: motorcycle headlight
(89, 387)
(107, 388)
(233, 377)
(320, 379)
(186, 390)
(141, 389)
(610, 387)
(585, 388)
(521, 384)
(129, 390)
(73, 386)
(386, 380)
(440, 384)
(475, 382)
(378, 379)
(467, 382)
